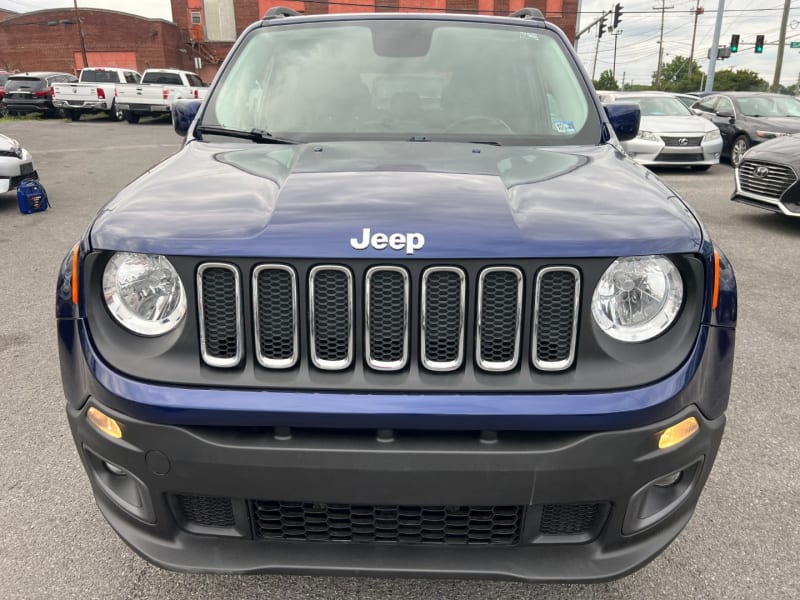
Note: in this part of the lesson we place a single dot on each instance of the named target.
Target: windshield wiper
(258, 136)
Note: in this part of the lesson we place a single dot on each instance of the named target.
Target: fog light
(678, 433)
(104, 423)
(115, 470)
(668, 480)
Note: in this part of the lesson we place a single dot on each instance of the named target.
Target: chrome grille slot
(675, 141)
(219, 310)
(387, 307)
(555, 318)
(442, 314)
(499, 315)
(276, 318)
(330, 289)
(773, 184)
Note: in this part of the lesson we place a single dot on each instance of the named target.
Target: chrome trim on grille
(213, 361)
(320, 363)
(503, 365)
(442, 365)
(770, 187)
(377, 364)
(558, 365)
(274, 363)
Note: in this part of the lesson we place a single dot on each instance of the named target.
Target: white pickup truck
(95, 91)
(156, 93)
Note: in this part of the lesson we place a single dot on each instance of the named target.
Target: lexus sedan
(766, 176)
(745, 119)
(670, 135)
(16, 164)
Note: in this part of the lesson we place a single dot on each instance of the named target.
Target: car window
(724, 105)
(707, 104)
(661, 106)
(162, 78)
(99, 77)
(194, 80)
(132, 77)
(24, 83)
(770, 106)
(404, 79)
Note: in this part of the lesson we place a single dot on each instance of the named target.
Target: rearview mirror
(183, 113)
(624, 119)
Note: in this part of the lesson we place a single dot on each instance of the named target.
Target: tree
(675, 76)
(741, 80)
(606, 81)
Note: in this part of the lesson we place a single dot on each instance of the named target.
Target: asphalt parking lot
(743, 542)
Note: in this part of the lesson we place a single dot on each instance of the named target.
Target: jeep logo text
(396, 241)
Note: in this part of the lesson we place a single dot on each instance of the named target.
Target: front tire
(700, 167)
(116, 114)
(738, 148)
(74, 115)
(131, 118)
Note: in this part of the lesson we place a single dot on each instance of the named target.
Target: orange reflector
(104, 423)
(678, 433)
(715, 297)
(75, 273)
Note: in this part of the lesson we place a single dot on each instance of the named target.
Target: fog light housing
(114, 469)
(667, 480)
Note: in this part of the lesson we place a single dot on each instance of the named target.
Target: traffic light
(617, 15)
(602, 25)
(735, 42)
(759, 44)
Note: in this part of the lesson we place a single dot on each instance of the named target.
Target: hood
(780, 124)
(783, 150)
(8, 144)
(467, 201)
(689, 125)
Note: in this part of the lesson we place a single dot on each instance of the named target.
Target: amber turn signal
(678, 433)
(104, 423)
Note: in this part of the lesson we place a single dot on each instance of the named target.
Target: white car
(670, 135)
(16, 164)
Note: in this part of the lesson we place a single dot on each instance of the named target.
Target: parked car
(158, 91)
(95, 91)
(4, 75)
(669, 133)
(767, 176)
(32, 92)
(16, 164)
(748, 118)
(687, 99)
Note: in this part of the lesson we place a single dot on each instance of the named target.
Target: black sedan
(749, 118)
(32, 92)
(766, 176)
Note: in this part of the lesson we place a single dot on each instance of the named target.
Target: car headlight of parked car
(144, 293)
(637, 298)
(711, 135)
(768, 135)
(647, 135)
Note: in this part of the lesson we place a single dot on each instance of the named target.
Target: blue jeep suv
(400, 305)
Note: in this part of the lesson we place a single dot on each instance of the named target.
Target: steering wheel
(478, 119)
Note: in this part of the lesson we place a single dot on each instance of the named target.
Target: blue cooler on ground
(31, 196)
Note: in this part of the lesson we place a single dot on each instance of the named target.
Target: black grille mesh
(332, 326)
(276, 314)
(210, 511)
(675, 157)
(676, 141)
(499, 316)
(306, 521)
(388, 316)
(569, 519)
(555, 316)
(219, 312)
(443, 319)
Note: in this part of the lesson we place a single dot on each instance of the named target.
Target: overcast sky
(637, 45)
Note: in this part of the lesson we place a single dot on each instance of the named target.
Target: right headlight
(637, 298)
(648, 136)
(144, 293)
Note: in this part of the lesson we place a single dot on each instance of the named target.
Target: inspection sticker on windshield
(563, 126)
(532, 36)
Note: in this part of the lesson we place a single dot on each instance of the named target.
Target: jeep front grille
(765, 179)
(380, 313)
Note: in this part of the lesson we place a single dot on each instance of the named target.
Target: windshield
(659, 107)
(393, 79)
(770, 106)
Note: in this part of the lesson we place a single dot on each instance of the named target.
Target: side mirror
(725, 114)
(183, 113)
(624, 119)
(698, 112)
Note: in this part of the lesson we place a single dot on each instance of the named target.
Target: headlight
(637, 298)
(647, 135)
(144, 293)
(712, 135)
(768, 135)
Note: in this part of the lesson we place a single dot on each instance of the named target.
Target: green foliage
(741, 80)
(606, 81)
(675, 76)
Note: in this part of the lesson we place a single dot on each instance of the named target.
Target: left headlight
(638, 298)
(712, 135)
(144, 293)
(648, 135)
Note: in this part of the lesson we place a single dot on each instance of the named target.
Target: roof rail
(528, 13)
(279, 12)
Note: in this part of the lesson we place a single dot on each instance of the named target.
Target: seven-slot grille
(765, 179)
(330, 305)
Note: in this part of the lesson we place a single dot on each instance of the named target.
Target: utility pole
(776, 81)
(80, 32)
(661, 41)
(712, 63)
(697, 12)
(614, 67)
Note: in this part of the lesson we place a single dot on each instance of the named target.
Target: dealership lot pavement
(743, 542)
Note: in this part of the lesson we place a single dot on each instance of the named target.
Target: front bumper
(655, 154)
(13, 170)
(609, 518)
